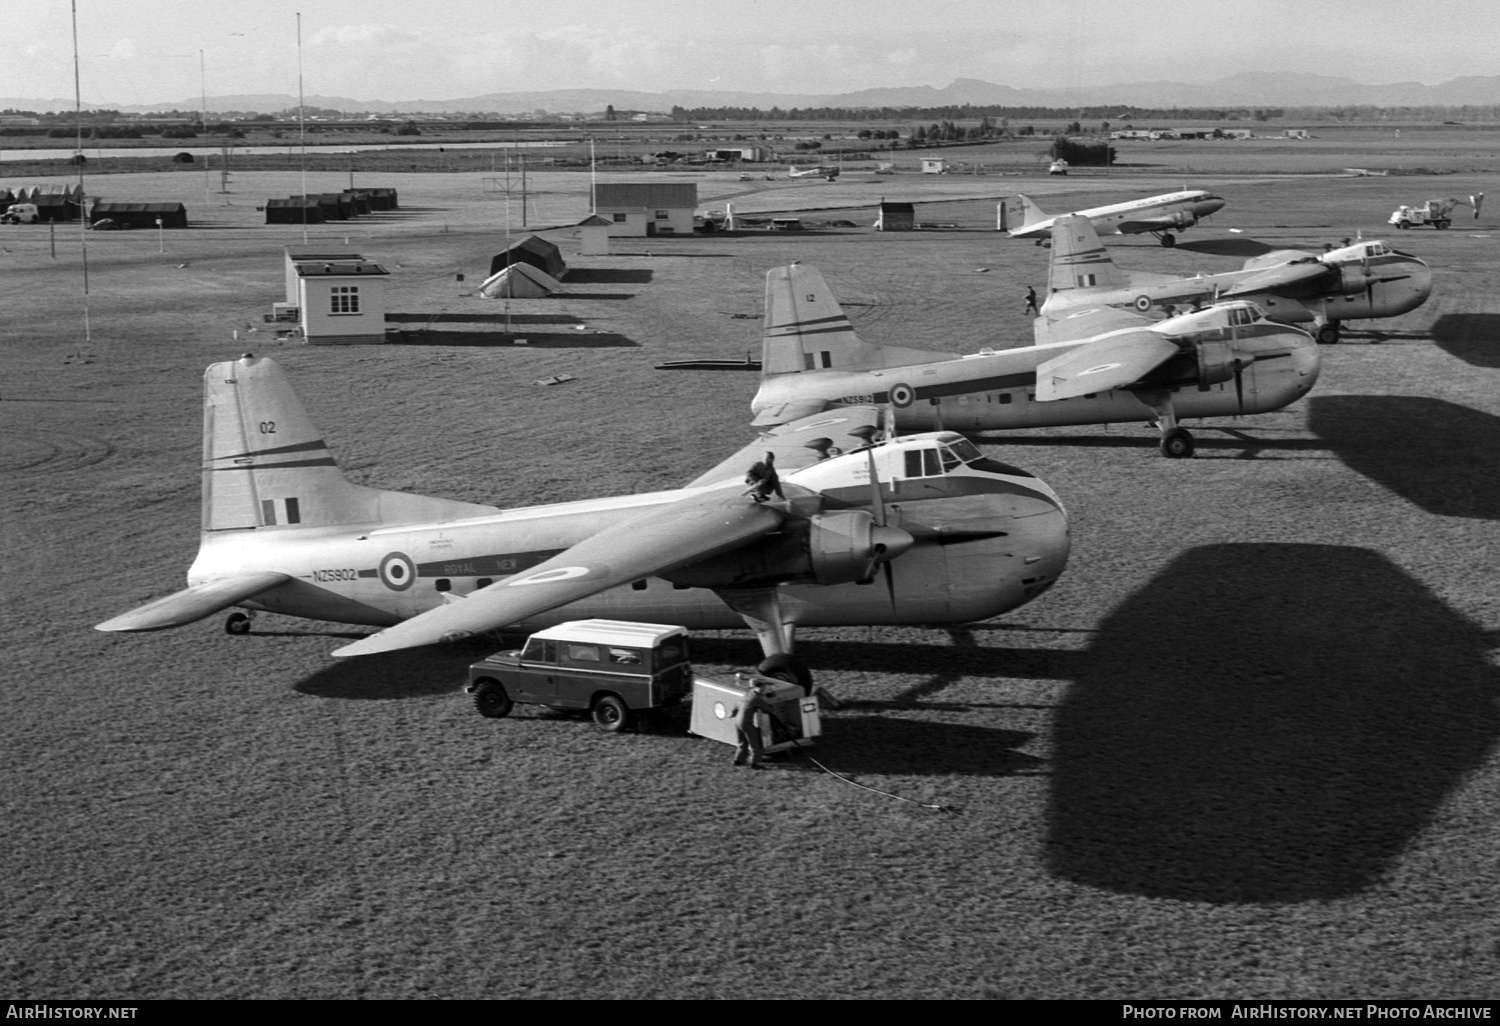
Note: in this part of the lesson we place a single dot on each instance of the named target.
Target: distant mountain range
(1251, 89)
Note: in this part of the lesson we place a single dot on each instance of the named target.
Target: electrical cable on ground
(926, 805)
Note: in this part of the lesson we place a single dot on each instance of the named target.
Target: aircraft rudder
(1079, 259)
(805, 327)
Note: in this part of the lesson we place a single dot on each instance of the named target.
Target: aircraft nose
(1043, 541)
(1210, 205)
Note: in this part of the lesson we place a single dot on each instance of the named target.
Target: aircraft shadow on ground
(1226, 247)
(410, 673)
(1265, 723)
(1473, 338)
(966, 659)
(608, 276)
(899, 746)
(1431, 452)
(533, 339)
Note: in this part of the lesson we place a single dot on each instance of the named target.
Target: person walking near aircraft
(1031, 306)
(747, 727)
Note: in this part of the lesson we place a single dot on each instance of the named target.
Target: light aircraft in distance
(1366, 279)
(820, 171)
(1157, 215)
(958, 537)
(1095, 366)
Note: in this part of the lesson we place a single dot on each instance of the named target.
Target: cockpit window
(922, 463)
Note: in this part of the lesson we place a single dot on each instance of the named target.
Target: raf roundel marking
(902, 395)
(1143, 303)
(397, 572)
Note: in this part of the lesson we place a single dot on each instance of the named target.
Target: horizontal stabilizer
(192, 604)
(1101, 366)
(659, 540)
(782, 413)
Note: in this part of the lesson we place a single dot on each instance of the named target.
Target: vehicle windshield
(670, 653)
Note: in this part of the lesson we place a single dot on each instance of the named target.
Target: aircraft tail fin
(1017, 213)
(806, 329)
(265, 465)
(1079, 259)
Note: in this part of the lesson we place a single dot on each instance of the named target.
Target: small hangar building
(896, 217)
(339, 298)
(647, 208)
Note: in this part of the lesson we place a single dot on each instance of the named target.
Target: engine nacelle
(1354, 279)
(1217, 361)
(1184, 219)
(827, 548)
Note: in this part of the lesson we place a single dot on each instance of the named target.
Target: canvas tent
(140, 215)
(519, 281)
(537, 252)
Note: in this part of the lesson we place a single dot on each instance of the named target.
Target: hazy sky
(147, 51)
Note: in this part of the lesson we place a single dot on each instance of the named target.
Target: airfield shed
(533, 250)
(593, 236)
(637, 209)
(340, 297)
(293, 211)
(896, 217)
(140, 215)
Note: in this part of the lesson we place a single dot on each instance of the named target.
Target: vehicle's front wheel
(237, 623)
(491, 700)
(611, 714)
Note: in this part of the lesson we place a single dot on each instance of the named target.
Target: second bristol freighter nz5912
(1092, 366)
(944, 535)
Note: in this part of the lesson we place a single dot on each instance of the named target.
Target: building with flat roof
(339, 297)
(646, 208)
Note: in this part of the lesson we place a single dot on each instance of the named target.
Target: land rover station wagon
(613, 669)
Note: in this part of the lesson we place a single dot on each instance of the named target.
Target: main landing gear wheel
(1169, 241)
(237, 623)
(1177, 444)
(788, 668)
(491, 700)
(1328, 334)
(611, 715)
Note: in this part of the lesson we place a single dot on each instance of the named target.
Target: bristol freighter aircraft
(1157, 215)
(956, 537)
(1367, 279)
(1095, 366)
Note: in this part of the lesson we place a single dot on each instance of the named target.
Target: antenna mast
(301, 127)
(83, 219)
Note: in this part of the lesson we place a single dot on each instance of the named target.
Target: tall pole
(302, 127)
(208, 193)
(83, 235)
(523, 190)
(593, 180)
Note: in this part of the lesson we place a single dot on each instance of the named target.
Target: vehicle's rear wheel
(611, 714)
(491, 700)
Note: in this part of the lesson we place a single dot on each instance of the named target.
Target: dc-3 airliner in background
(956, 536)
(1088, 366)
(1367, 279)
(1157, 215)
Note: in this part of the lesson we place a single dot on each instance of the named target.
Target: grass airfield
(1246, 748)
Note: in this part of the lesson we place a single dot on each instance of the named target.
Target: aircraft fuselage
(383, 575)
(997, 390)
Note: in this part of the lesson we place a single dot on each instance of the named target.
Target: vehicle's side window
(625, 656)
(582, 653)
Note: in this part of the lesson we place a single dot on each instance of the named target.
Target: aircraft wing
(798, 443)
(1171, 222)
(1287, 279)
(1085, 322)
(192, 604)
(1112, 362)
(656, 541)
